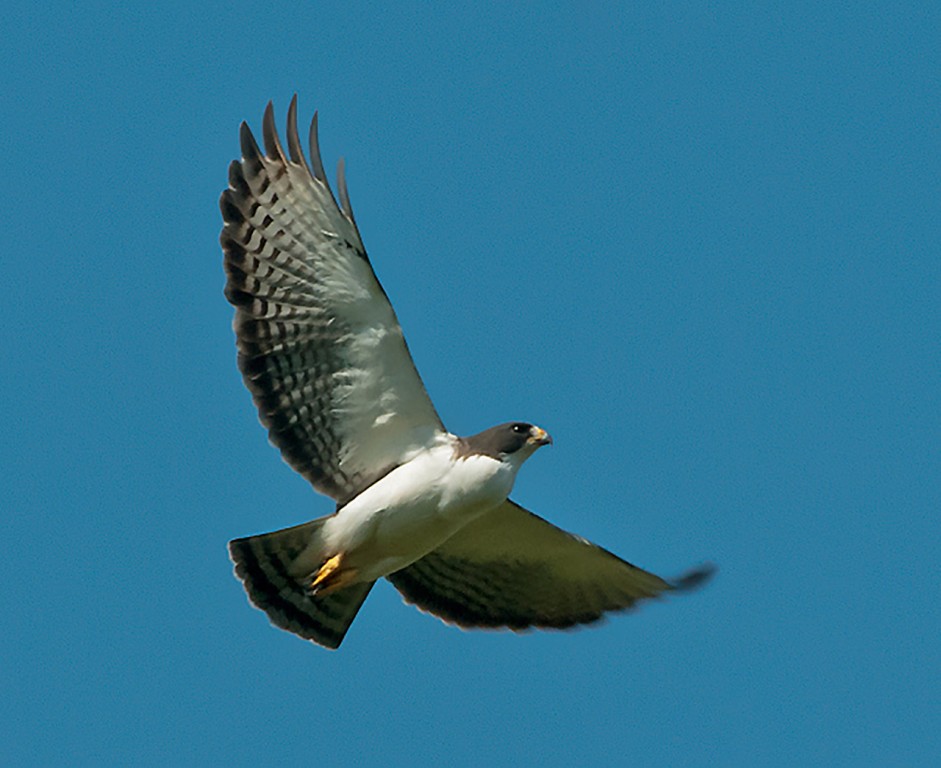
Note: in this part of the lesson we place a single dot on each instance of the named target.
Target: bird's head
(517, 439)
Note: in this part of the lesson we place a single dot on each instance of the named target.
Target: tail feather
(264, 566)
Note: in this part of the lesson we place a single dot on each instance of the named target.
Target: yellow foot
(332, 576)
(326, 571)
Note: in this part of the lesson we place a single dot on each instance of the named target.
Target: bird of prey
(322, 352)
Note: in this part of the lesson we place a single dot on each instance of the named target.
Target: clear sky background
(699, 245)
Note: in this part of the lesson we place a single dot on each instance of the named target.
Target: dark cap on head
(503, 440)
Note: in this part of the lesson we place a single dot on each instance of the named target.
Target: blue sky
(700, 245)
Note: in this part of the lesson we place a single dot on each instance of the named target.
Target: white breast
(415, 508)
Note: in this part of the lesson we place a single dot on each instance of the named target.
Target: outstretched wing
(510, 568)
(319, 345)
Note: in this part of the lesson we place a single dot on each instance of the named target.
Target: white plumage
(324, 356)
(414, 509)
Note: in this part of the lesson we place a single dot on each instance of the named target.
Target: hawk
(322, 352)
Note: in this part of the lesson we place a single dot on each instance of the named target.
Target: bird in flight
(322, 352)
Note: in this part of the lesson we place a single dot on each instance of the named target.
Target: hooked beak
(538, 436)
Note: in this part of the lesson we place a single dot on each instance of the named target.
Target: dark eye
(521, 428)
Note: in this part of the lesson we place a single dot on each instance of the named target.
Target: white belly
(414, 509)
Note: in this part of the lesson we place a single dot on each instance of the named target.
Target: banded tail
(264, 566)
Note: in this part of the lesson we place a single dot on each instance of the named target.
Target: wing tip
(250, 149)
(269, 131)
(316, 161)
(695, 578)
(345, 206)
(294, 143)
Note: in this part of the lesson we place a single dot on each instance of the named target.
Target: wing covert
(320, 347)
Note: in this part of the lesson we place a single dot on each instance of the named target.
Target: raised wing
(319, 345)
(513, 569)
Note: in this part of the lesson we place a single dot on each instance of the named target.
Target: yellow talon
(330, 577)
(326, 571)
